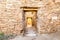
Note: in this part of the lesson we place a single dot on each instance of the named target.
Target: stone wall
(49, 18)
(11, 15)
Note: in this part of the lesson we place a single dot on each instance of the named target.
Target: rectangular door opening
(30, 21)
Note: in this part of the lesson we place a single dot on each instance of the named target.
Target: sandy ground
(53, 36)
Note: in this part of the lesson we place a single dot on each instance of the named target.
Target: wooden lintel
(30, 8)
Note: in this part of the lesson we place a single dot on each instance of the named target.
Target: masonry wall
(11, 20)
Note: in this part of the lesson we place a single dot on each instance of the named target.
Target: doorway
(30, 21)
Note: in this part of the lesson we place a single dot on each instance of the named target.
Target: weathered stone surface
(11, 15)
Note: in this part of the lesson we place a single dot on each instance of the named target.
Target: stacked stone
(47, 23)
(11, 15)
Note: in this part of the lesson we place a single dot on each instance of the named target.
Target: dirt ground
(52, 36)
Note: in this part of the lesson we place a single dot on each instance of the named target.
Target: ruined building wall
(11, 15)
